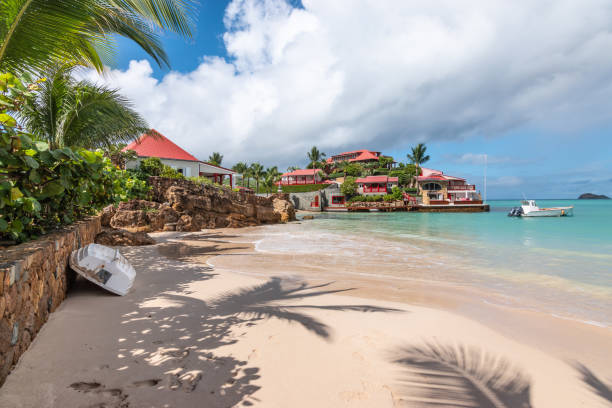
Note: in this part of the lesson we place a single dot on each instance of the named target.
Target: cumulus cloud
(369, 74)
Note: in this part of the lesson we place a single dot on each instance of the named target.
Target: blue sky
(263, 80)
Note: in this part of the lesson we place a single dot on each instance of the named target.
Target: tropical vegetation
(36, 34)
(215, 159)
(67, 112)
(42, 187)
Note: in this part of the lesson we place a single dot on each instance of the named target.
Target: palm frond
(70, 113)
(37, 33)
(441, 375)
(596, 384)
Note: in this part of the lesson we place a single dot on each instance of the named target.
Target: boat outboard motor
(516, 212)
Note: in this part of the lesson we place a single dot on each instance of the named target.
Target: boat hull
(550, 212)
(105, 267)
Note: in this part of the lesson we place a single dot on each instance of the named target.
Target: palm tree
(273, 172)
(35, 34)
(215, 159)
(418, 156)
(292, 168)
(66, 112)
(241, 169)
(257, 171)
(315, 156)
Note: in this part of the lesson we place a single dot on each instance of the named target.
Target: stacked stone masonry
(34, 279)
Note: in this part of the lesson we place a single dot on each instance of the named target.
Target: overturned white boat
(529, 208)
(105, 267)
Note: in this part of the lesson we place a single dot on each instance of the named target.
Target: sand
(246, 333)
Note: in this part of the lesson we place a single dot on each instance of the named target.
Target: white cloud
(365, 73)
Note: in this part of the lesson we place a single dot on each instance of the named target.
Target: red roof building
(355, 156)
(154, 144)
(376, 184)
(302, 176)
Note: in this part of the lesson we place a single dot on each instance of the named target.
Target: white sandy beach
(245, 333)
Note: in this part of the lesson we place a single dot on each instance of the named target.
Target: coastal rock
(184, 205)
(106, 215)
(590, 196)
(284, 208)
(120, 237)
(188, 223)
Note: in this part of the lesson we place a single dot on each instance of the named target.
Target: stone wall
(34, 278)
(302, 201)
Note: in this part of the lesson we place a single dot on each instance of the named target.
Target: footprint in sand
(116, 395)
(85, 386)
(146, 383)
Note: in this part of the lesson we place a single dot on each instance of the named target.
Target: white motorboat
(105, 267)
(529, 208)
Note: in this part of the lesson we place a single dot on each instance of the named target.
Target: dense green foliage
(353, 169)
(306, 188)
(67, 112)
(35, 34)
(336, 175)
(215, 159)
(349, 187)
(42, 188)
(152, 166)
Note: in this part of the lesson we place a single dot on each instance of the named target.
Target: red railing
(374, 190)
(298, 182)
(461, 187)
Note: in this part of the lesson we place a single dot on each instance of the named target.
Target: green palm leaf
(70, 113)
(37, 33)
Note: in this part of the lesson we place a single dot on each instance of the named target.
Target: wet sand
(268, 330)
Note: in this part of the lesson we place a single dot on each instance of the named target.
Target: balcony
(462, 187)
(298, 182)
(366, 190)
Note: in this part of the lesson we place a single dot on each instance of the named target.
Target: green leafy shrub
(388, 197)
(306, 188)
(353, 169)
(349, 187)
(381, 172)
(43, 188)
(336, 174)
(152, 166)
(412, 191)
(396, 193)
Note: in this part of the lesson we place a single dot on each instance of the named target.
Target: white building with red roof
(154, 144)
(303, 176)
(376, 184)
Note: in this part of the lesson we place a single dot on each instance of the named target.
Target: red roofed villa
(299, 177)
(376, 184)
(154, 144)
(362, 155)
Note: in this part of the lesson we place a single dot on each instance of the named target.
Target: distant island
(589, 196)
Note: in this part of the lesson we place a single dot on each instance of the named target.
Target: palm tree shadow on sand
(176, 339)
(458, 376)
(261, 302)
(595, 384)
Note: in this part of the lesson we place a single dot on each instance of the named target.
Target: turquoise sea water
(561, 265)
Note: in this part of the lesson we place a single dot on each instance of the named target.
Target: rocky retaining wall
(34, 278)
(183, 205)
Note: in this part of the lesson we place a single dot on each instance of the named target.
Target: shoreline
(191, 335)
(466, 300)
